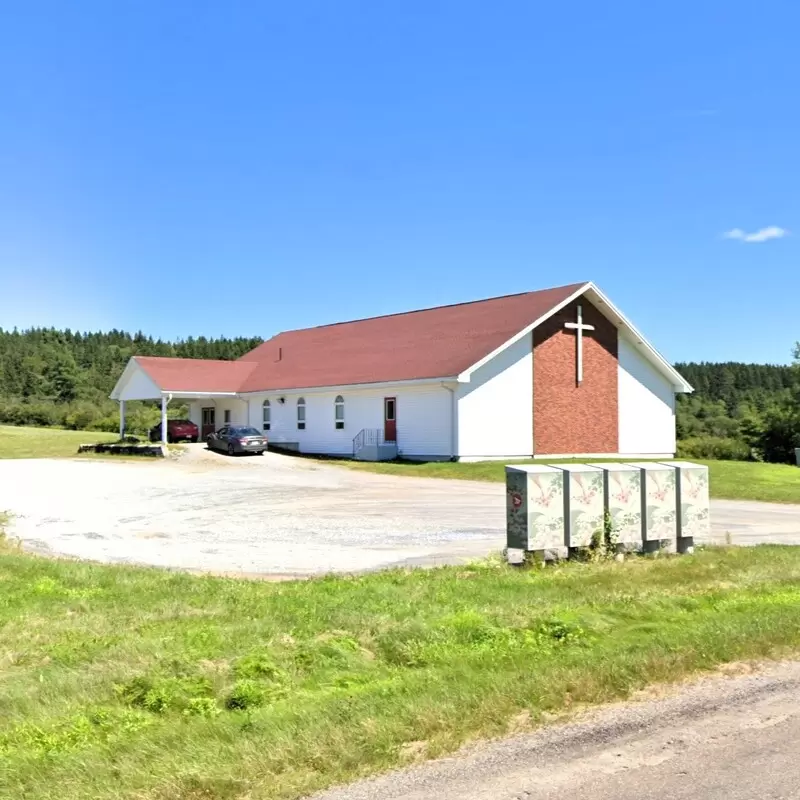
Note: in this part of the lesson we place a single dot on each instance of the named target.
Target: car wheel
(231, 451)
(193, 440)
(261, 452)
(209, 444)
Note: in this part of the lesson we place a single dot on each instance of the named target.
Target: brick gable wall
(568, 418)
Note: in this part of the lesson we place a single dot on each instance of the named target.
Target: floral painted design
(660, 504)
(545, 511)
(544, 489)
(586, 506)
(694, 519)
(625, 504)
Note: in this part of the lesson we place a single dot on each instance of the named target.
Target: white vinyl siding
(495, 409)
(139, 386)
(646, 405)
(195, 414)
(423, 419)
(238, 411)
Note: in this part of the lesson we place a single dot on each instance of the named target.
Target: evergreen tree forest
(50, 377)
(740, 411)
(63, 378)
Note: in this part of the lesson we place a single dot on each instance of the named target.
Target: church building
(556, 372)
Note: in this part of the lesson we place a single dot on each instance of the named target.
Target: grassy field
(19, 442)
(134, 683)
(739, 480)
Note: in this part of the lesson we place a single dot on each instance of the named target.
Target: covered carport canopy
(153, 378)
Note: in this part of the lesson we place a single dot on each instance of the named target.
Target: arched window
(301, 414)
(267, 412)
(338, 412)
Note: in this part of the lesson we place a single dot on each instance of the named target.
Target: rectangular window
(266, 426)
(227, 417)
(301, 426)
(339, 425)
(390, 409)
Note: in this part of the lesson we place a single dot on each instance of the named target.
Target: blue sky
(268, 165)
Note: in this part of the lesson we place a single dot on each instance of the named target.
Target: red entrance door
(390, 419)
(209, 421)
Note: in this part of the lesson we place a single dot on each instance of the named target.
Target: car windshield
(180, 422)
(242, 431)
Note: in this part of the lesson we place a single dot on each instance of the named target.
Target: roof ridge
(429, 308)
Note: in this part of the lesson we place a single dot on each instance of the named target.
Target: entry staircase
(370, 444)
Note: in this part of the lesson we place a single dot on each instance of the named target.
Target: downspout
(453, 422)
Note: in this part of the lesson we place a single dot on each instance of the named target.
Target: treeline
(52, 377)
(740, 411)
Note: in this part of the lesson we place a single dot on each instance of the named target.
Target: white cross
(580, 328)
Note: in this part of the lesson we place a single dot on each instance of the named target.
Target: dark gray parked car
(237, 439)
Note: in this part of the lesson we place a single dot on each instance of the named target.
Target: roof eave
(464, 377)
(354, 386)
(123, 379)
(189, 393)
(679, 383)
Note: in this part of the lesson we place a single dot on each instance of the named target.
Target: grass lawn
(24, 442)
(738, 480)
(128, 683)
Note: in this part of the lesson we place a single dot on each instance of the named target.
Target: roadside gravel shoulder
(732, 733)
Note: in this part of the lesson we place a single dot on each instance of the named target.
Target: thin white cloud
(763, 235)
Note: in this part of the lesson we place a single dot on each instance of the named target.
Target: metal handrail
(368, 436)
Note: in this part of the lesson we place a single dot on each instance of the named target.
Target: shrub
(81, 416)
(780, 434)
(109, 424)
(160, 694)
(41, 413)
(714, 447)
(258, 666)
(246, 694)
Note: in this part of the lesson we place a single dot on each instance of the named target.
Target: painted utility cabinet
(659, 504)
(535, 509)
(653, 506)
(694, 520)
(584, 503)
(622, 495)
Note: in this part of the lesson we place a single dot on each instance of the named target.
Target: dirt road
(722, 738)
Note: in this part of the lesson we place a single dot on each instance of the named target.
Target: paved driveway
(277, 515)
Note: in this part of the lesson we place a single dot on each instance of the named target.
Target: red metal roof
(432, 343)
(195, 374)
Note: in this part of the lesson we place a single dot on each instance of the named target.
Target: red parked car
(177, 430)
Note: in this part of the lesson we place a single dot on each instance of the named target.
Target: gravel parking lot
(278, 515)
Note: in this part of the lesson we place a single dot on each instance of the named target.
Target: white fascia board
(130, 367)
(679, 383)
(353, 386)
(198, 394)
(465, 375)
